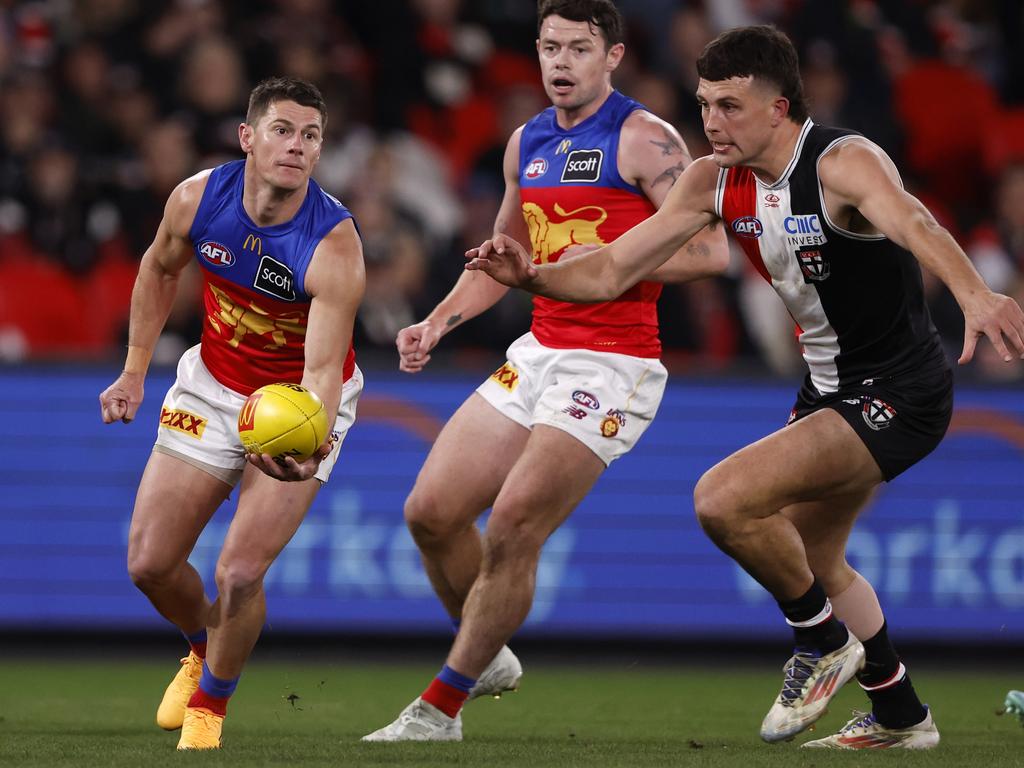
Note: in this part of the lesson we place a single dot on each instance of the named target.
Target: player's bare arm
(474, 292)
(152, 296)
(653, 156)
(863, 192)
(608, 272)
(335, 280)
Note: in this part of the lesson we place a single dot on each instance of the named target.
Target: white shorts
(199, 421)
(603, 399)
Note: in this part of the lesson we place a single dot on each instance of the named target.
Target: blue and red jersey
(256, 305)
(572, 193)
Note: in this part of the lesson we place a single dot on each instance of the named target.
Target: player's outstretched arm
(474, 292)
(859, 174)
(335, 279)
(608, 272)
(152, 296)
(653, 156)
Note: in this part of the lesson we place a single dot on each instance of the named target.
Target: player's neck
(570, 118)
(267, 205)
(770, 164)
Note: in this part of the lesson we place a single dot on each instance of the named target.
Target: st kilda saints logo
(814, 266)
(877, 414)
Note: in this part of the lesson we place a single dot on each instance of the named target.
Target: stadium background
(107, 104)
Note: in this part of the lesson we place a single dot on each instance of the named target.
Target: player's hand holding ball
(284, 429)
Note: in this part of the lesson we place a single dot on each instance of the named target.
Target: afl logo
(537, 167)
(748, 227)
(587, 399)
(216, 254)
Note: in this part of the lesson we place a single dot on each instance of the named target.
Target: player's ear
(245, 137)
(780, 110)
(614, 56)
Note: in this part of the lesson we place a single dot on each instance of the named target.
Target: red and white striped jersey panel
(761, 217)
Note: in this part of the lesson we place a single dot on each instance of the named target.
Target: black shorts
(900, 418)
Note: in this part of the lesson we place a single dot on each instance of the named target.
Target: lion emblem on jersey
(550, 235)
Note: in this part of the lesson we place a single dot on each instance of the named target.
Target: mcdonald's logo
(563, 147)
(253, 243)
(247, 416)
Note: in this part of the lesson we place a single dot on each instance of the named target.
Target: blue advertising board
(943, 544)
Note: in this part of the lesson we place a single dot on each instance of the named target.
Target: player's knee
(239, 578)
(147, 572)
(429, 521)
(712, 505)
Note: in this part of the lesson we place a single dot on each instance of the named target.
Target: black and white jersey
(857, 299)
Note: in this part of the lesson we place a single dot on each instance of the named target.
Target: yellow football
(283, 420)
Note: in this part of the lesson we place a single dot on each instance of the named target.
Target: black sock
(886, 682)
(826, 634)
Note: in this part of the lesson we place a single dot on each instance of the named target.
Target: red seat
(44, 304)
(1004, 142)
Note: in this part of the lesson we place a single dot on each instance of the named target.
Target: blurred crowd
(107, 104)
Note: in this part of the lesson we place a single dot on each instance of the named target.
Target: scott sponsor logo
(583, 165)
(748, 226)
(537, 167)
(216, 254)
(586, 399)
(807, 224)
(275, 278)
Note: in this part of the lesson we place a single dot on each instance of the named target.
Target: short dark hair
(598, 13)
(275, 89)
(763, 52)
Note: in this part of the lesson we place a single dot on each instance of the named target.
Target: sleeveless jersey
(572, 193)
(857, 299)
(254, 277)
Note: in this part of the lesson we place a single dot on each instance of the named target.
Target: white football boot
(864, 732)
(420, 721)
(502, 674)
(811, 680)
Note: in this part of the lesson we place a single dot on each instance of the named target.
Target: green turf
(63, 713)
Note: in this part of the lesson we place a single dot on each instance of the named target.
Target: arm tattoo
(670, 146)
(669, 174)
(454, 320)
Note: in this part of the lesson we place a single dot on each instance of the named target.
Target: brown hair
(597, 13)
(275, 89)
(762, 52)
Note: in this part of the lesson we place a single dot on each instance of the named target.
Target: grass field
(67, 713)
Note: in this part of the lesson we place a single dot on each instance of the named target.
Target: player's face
(574, 62)
(284, 144)
(738, 116)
